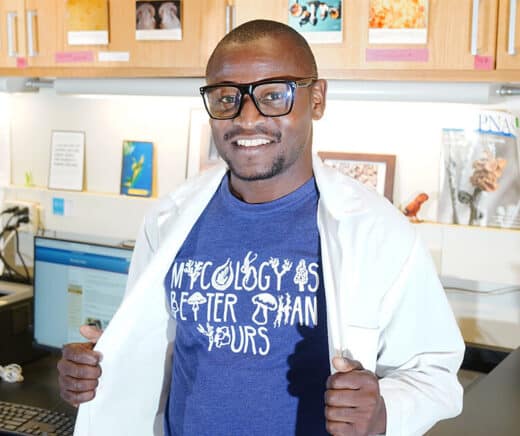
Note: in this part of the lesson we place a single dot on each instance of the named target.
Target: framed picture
(137, 168)
(374, 170)
(67, 160)
(202, 152)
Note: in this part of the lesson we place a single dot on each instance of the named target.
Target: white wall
(412, 131)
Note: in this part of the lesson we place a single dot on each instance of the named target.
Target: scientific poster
(319, 22)
(87, 22)
(158, 20)
(480, 172)
(398, 22)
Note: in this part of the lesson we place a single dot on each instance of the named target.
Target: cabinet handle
(230, 17)
(511, 48)
(474, 27)
(30, 34)
(11, 34)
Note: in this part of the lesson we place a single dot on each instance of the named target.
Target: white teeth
(252, 142)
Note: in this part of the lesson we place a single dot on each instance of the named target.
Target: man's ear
(319, 98)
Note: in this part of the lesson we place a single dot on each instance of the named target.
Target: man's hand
(353, 404)
(79, 368)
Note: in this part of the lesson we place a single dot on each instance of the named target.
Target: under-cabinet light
(15, 84)
(448, 92)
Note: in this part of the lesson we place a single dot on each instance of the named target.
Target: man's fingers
(341, 398)
(353, 380)
(76, 385)
(343, 364)
(83, 372)
(81, 353)
(76, 398)
(340, 428)
(90, 332)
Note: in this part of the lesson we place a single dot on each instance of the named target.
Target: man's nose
(249, 114)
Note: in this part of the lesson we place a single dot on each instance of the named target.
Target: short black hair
(258, 29)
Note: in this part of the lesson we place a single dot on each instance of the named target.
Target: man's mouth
(254, 142)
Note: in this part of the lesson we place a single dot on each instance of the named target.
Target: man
(297, 301)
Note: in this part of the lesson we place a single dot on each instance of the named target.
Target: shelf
(90, 213)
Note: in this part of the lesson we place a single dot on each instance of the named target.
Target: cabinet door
(12, 32)
(461, 36)
(508, 47)
(331, 57)
(41, 32)
(202, 23)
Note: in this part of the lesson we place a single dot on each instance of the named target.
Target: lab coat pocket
(363, 345)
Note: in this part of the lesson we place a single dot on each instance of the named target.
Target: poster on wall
(480, 172)
(398, 22)
(318, 21)
(67, 160)
(137, 168)
(87, 22)
(158, 20)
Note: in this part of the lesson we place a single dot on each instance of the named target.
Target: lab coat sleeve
(420, 350)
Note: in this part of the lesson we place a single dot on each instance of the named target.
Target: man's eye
(270, 97)
(227, 99)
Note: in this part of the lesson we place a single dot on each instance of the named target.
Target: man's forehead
(253, 60)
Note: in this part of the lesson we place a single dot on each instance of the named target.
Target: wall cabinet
(468, 40)
(508, 47)
(456, 35)
(33, 41)
(26, 33)
(11, 34)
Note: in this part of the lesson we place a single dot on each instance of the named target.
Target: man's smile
(252, 142)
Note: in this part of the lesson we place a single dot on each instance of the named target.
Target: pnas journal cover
(137, 169)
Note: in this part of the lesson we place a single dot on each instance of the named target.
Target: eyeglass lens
(271, 99)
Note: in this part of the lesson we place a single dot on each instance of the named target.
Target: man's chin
(254, 175)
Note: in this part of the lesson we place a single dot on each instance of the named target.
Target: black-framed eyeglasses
(272, 98)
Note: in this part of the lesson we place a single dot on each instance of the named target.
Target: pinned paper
(397, 54)
(87, 22)
(70, 57)
(21, 62)
(398, 22)
(158, 20)
(114, 56)
(318, 22)
(485, 63)
(62, 207)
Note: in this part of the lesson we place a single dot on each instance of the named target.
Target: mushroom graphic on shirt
(264, 302)
(195, 300)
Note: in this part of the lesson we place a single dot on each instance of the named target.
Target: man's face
(254, 146)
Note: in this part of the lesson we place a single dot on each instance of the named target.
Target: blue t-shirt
(251, 352)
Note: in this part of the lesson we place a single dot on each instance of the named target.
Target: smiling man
(271, 295)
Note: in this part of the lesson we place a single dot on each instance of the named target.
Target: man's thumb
(343, 364)
(91, 333)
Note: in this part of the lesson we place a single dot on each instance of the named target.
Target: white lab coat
(385, 308)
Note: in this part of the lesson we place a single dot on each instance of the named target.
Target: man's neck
(263, 191)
